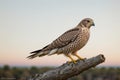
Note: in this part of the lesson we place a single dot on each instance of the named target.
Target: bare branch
(69, 70)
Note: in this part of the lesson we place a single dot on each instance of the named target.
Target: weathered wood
(68, 70)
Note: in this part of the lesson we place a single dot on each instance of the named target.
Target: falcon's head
(87, 22)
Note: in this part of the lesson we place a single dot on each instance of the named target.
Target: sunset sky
(28, 25)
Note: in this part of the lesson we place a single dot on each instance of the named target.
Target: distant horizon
(100, 65)
(107, 66)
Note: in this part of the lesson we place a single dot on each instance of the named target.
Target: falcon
(69, 42)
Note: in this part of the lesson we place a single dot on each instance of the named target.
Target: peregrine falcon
(69, 42)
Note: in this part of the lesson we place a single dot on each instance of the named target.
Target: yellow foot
(72, 60)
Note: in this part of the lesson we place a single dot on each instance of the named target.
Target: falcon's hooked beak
(93, 24)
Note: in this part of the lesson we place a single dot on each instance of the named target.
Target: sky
(28, 25)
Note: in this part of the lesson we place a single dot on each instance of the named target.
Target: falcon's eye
(88, 21)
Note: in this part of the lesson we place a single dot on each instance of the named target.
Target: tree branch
(68, 70)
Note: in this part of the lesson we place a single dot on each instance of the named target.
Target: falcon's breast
(82, 38)
(78, 43)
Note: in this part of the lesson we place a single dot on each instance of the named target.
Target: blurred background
(28, 25)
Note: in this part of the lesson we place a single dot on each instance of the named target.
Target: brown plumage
(69, 42)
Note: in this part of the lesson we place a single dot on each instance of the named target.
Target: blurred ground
(24, 73)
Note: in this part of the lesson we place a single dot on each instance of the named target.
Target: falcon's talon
(72, 62)
(83, 59)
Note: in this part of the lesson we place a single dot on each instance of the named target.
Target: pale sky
(28, 25)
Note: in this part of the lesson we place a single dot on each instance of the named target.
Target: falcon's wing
(63, 40)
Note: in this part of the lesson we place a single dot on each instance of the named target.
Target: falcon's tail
(36, 53)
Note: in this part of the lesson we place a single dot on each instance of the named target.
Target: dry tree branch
(69, 70)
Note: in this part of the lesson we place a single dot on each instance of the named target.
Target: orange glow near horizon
(48, 61)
